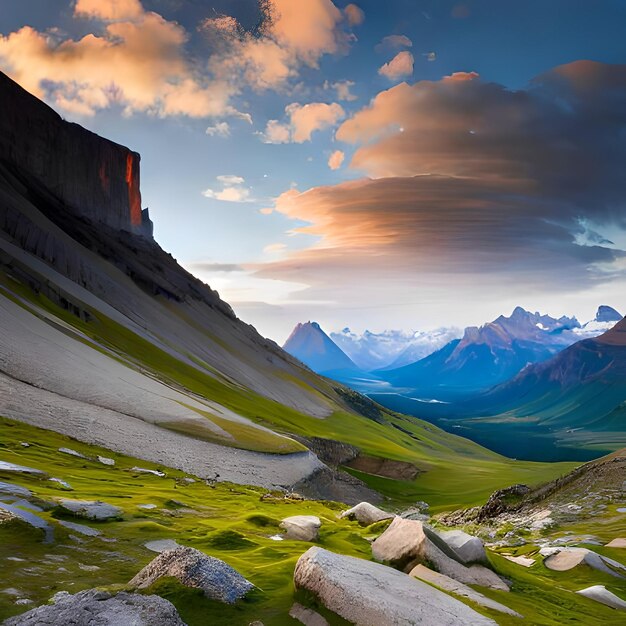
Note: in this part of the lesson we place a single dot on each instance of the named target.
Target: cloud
(400, 65)
(221, 129)
(354, 15)
(233, 189)
(140, 61)
(393, 42)
(336, 159)
(474, 188)
(342, 88)
(430, 56)
(109, 10)
(138, 64)
(303, 121)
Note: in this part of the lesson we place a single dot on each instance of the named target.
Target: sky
(406, 164)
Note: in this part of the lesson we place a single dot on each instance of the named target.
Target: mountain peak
(607, 314)
(309, 343)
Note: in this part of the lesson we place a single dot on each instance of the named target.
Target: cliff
(95, 178)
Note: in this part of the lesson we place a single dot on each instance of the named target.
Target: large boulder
(366, 514)
(301, 527)
(90, 509)
(566, 559)
(99, 608)
(601, 594)
(370, 594)
(407, 543)
(469, 549)
(218, 580)
(618, 542)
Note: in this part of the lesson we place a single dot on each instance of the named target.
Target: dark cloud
(474, 183)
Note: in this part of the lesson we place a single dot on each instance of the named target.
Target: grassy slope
(458, 472)
(227, 521)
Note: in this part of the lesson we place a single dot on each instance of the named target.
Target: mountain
(391, 348)
(605, 319)
(486, 355)
(311, 345)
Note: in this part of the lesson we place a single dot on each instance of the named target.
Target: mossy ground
(233, 523)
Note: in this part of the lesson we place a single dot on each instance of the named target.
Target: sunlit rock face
(94, 177)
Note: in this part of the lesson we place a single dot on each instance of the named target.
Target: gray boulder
(90, 509)
(218, 580)
(370, 594)
(301, 527)
(366, 514)
(469, 549)
(8, 489)
(565, 559)
(407, 543)
(99, 608)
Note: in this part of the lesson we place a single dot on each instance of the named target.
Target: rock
(453, 586)
(24, 444)
(520, 560)
(218, 580)
(469, 549)
(406, 544)
(80, 528)
(143, 470)
(5, 466)
(72, 453)
(147, 507)
(366, 514)
(88, 568)
(99, 608)
(7, 489)
(63, 484)
(370, 594)
(106, 460)
(30, 518)
(90, 509)
(301, 527)
(308, 617)
(23, 601)
(161, 545)
(601, 594)
(569, 558)
(618, 542)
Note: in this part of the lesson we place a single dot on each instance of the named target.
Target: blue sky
(119, 68)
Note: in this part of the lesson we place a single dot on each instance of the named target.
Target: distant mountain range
(491, 354)
(391, 348)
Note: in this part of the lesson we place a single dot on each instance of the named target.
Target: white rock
(366, 513)
(91, 509)
(520, 560)
(161, 545)
(63, 484)
(301, 527)
(618, 542)
(601, 594)
(106, 460)
(143, 470)
(5, 466)
(370, 594)
(459, 589)
(72, 453)
(569, 558)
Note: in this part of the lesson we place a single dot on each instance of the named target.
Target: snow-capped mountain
(391, 348)
(605, 319)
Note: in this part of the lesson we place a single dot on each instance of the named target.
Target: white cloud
(221, 129)
(233, 189)
(342, 88)
(400, 65)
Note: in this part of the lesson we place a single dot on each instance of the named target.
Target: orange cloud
(400, 65)
(303, 121)
(109, 10)
(336, 159)
(354, 15)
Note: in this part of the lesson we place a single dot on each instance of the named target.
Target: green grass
(233, 523)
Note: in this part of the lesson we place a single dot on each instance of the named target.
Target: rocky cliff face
(94, 177)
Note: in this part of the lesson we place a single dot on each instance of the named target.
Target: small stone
(143, 470)
(5, 466)
(72, 453)
(88, 568)
(63, 484)
(147, 507)
(161, 545)
(301, 527)
(306, 616)
(366, 514)
(105, 460)
(24, 444)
